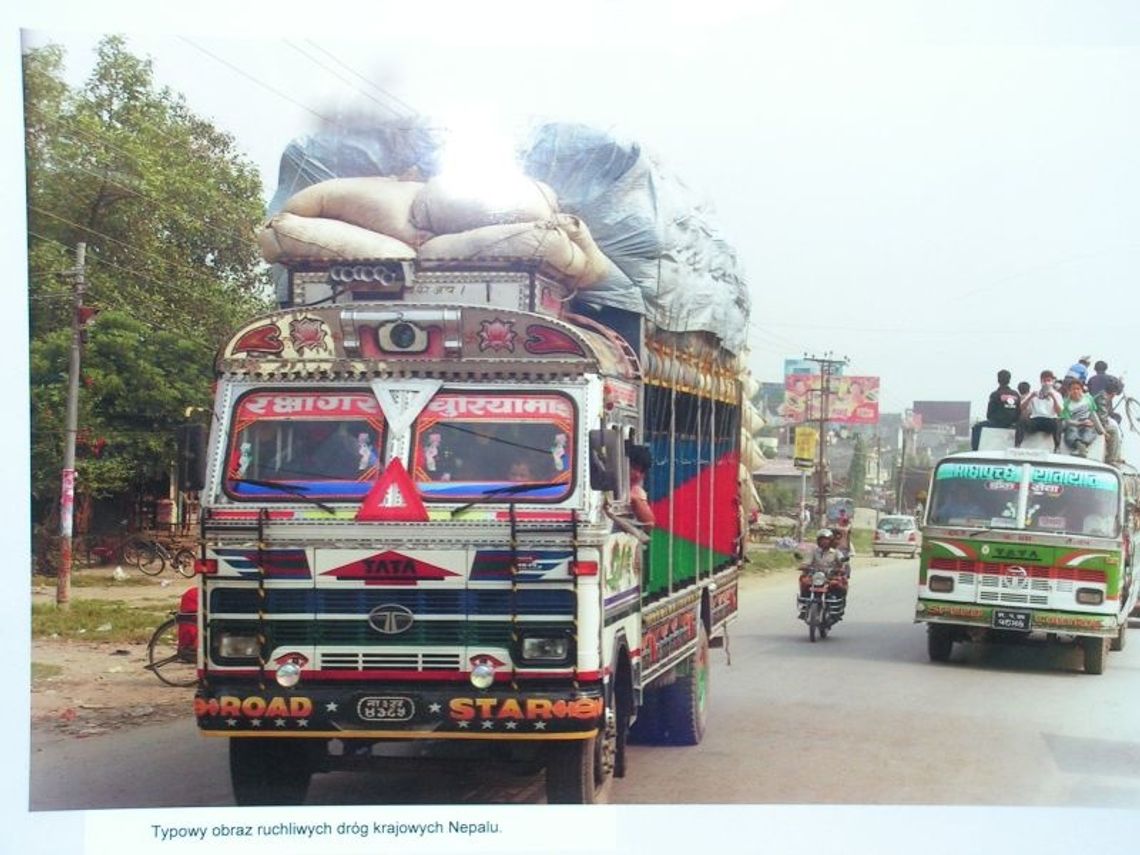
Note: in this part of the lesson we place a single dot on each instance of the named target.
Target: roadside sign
(807, 442)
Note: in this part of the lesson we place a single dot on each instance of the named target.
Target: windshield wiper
(501, 491)
(296, 491)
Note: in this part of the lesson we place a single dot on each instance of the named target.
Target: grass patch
(96, 620)
(78, 580)
(766, 560)
(42, 671)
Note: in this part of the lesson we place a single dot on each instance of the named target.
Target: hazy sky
(934, 190)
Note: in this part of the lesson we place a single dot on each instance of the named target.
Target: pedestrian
(1002, 410)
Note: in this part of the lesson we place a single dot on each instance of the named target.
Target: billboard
(852, 401)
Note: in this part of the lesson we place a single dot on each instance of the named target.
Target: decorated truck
(1022, 544)
(474, 489)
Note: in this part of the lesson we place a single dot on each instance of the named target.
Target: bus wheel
(1118, 642)
(1096, 652)
(939, 644)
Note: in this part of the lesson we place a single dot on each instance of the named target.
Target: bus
(1024, 545)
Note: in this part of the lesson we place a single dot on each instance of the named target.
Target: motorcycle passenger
(824, 557)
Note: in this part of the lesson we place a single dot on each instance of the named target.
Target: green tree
(167, 207)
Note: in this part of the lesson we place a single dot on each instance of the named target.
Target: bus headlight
(941, 584)
(1090, 596)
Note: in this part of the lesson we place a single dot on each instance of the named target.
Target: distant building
(949, 416)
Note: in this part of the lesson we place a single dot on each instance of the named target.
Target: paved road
(861, 718)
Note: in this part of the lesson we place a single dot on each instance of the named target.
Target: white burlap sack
(563, 242)
(289, 237)
(375, 203)
(445, 206)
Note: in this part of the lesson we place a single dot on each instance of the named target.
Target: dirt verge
(83, 688)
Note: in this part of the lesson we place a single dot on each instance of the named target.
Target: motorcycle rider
(824, 557)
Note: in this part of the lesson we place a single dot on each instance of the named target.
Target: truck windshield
(321, 444)
(1061, 499)
(472, 445)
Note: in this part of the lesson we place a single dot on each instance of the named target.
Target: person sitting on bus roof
(1105, 388)
(1081, 421)
(1002, 410)
(1041, 413)
(1079, 369)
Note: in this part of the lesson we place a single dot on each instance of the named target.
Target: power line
(408, 108)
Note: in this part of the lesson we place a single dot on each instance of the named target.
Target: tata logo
(391, 619)
(1017, 579)
(1016, 553)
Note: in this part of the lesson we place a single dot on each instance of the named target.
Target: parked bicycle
(172, 652)
(151, 556)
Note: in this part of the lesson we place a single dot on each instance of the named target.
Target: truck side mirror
(605, 455)
(191, 457)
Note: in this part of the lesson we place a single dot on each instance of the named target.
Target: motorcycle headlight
(819, 578)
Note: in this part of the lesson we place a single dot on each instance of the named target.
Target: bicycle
(172, 653)
(150, 557)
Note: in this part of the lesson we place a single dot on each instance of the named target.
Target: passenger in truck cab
(639, 464)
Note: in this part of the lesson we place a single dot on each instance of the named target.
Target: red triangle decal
(409, 507)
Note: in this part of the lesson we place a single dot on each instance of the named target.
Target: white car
(896, 534)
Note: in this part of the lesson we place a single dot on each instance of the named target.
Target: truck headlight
(545, 648)
(236, 645)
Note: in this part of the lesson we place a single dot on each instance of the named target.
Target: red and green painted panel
(1037, 560)
(698, 521)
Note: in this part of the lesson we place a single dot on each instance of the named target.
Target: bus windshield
(1059, 499)
(317, 443)
(472, 445)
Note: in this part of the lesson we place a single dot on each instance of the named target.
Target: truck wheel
(1096, 653)
(939, 644)
(1118, 642)
(571, 772)
(687, 700)
(649, 729)
(269, 771)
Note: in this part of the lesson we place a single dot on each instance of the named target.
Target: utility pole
(828, 366)
(67, 489)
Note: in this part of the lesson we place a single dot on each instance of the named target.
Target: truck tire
(1096, 654)
(1118, 642)
(939, 644)
(649, 729)
(686, 709)
(269, 771)
(571, 772)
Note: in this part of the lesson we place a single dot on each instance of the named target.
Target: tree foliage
(167, 207)
(857, 474)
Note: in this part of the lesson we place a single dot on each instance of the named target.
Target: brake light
(206, 566)
(583, 568)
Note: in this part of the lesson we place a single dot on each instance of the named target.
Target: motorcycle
(823, 598)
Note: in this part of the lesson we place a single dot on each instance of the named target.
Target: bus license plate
(1011, 620)
(386, 708)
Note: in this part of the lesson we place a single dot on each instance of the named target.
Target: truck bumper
(398, 711)
(999, 618)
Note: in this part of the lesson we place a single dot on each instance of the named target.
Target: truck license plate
(1011, 620)
(386, 708)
